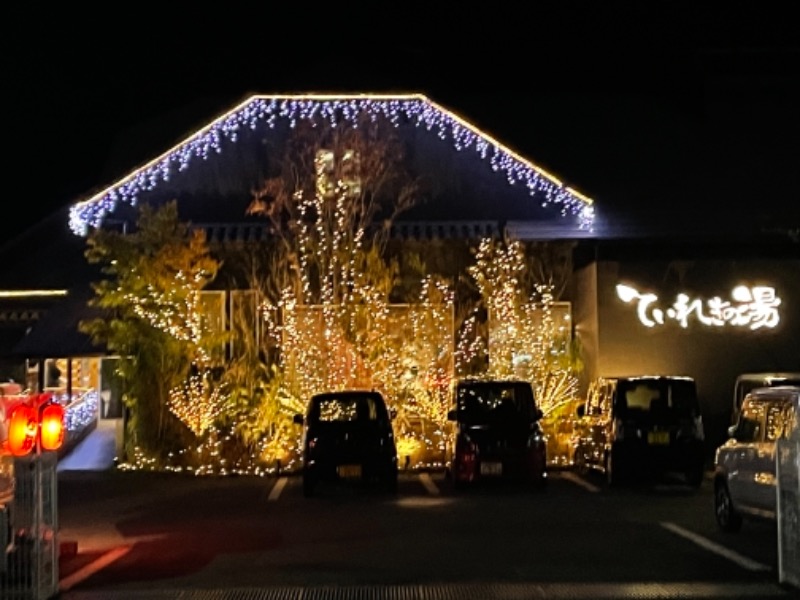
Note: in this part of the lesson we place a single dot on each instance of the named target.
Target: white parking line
(93, 567)
(740, 560)
(276, 490)
(426, 480)
(579, 481)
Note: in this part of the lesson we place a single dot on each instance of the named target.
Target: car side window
(780, 421)
(750, 427)
(744, 387)
(792, 421)
(371, 410)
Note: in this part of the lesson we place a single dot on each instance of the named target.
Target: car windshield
(347, 408)
(669, 398)
(747, 384)
(490, 402)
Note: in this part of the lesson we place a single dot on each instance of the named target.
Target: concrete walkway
(95, 452)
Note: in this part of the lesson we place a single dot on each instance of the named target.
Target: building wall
(713, 355)
(583, 294)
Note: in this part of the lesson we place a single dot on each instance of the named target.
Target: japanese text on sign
(752, 307)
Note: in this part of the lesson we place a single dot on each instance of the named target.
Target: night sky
(690, 113)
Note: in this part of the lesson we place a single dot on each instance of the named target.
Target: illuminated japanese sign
(752, 307)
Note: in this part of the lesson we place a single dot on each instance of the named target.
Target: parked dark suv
(348, 437)
(641, 428)
(496, 434)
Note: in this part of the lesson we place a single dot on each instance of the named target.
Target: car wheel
(613, 471)
(727, 518)
(452, 469)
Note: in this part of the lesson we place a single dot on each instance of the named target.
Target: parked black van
(642, 428)
(496, 435)
(348, 438)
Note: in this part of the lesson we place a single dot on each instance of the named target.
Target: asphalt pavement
(97, 452)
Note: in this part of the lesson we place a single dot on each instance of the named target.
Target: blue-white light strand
(416, 110)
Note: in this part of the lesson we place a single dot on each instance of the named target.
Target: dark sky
(692, 112)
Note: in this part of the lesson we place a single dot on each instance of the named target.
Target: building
(650, 298)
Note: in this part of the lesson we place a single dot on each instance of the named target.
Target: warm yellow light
(577, 194)
(52, 427)
(753, 307)
(523, 160)
(31, 293)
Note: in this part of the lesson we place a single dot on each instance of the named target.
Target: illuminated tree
(331, 205)
(337, 298)
(259, 410)
(150, 289)
(526, 335)
(330, 305)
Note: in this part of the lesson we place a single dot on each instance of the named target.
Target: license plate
(349, 471)
(658, 437)
(491, 468)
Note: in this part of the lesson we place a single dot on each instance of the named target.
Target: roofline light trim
(262, 109)
(32, 293)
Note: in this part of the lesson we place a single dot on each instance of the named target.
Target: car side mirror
(581, 411)
(451, 415)
(538, 415)
(732, 432)
(298, 418)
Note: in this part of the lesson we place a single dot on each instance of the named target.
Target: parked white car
(746, 382)
(745, 484)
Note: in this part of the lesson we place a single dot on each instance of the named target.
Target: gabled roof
(259, 116)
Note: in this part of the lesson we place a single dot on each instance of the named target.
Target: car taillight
(466, 458)
(466, 450)
(537, 451)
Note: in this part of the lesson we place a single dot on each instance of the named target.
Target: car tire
(612, 469)
(454, 480)
(581, 468)
(727, 518)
